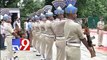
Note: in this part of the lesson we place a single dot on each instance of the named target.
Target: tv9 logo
(20, 44)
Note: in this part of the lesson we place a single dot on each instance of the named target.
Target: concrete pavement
(101, 54)
(30, 55)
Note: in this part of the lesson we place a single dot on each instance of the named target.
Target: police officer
(33, 31)
(43, 35)
(58, 27)
(37, 35)
(74, 35)
(9, 35)
(100, 27)
(36, 19)
(50, 36)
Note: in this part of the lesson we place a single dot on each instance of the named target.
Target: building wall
(15, 11)
(10, 10)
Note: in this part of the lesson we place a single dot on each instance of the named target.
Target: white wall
(15, 11)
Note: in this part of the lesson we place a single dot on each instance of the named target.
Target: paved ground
(30, 55)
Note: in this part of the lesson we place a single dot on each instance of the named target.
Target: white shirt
(18, 23)
(26, 26)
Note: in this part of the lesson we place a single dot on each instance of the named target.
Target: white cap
(59, 8)
(70, 5)
(5, 15)
(41, 14)
(49, 12)
(36, 16)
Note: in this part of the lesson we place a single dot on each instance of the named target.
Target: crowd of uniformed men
(43, 30)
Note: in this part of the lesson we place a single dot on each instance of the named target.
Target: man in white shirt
(100, 27)
(17, 24)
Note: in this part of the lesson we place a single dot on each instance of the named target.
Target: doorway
(14, 16)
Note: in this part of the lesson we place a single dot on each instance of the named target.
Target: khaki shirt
(58, 27)
(8, 29)
(42, 27)
(33, 25)
(73, 31)
(37, 26)
(48, 27)
(100, 24)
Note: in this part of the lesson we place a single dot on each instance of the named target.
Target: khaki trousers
(38, 42)
(33, 38)
(43, 44)
(60, 45)
(30, 37)
(36, 37)
(8, 40)
(100, 37)
(72, 53)
(49, 44)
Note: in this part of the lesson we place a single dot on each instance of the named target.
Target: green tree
(31, 6)
(92, 7)
(9, 3)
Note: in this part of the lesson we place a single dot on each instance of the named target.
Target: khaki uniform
(100, 26)
(42, 38)
(49, 39)
(9, 30)
(58, 27)
(73, 33)
(33, 34)
(30, 34)
(37, 35)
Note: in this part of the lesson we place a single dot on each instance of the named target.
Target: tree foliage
(92, 8)
(31, 6)
(85, 7)
(9, 3)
